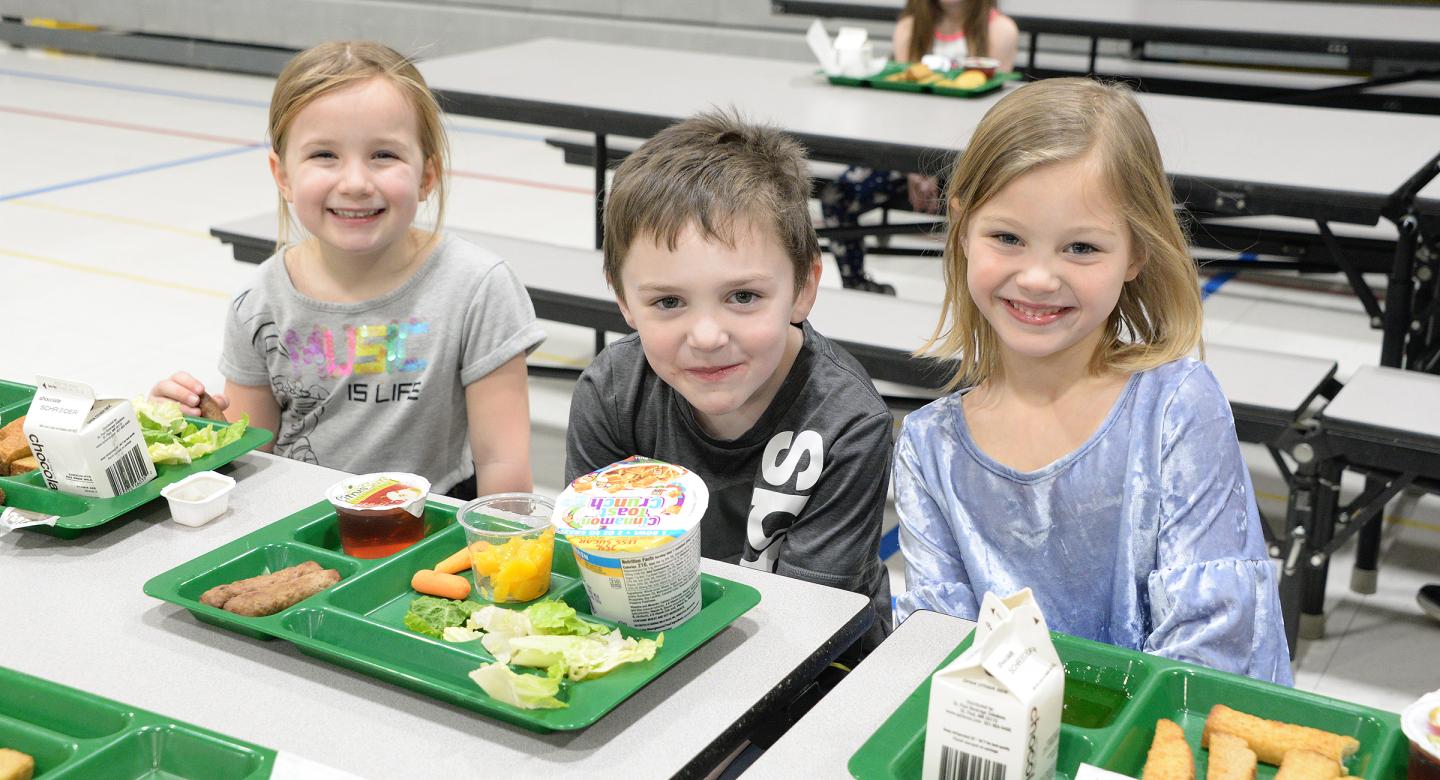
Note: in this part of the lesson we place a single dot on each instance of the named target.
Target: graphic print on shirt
(790, 467)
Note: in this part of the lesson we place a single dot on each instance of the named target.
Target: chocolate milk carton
(995, 710)
(85, 445)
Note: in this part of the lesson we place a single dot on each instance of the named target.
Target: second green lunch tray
(73, 735)
(359, 622)
(881, 81)
(1113, 696)
(79, 513)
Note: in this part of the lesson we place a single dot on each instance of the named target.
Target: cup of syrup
(379, 514)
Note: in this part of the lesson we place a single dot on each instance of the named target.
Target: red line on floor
(129, 126)
(521, 182)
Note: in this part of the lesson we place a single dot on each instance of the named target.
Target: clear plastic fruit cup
(511, 545)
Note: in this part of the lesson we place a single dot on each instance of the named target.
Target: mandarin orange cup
(512, 545)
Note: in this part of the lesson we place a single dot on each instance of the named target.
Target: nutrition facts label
(663, 586)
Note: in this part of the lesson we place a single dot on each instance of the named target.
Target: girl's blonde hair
(1158, 317)
(326, 67)
(924, 13)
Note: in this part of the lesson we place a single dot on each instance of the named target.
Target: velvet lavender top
(1146, 537)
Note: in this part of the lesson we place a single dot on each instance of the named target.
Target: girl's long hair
(926, 13)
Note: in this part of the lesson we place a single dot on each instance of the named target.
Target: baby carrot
(456, 563)
(446, 586)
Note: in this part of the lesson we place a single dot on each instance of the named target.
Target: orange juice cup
(511, 545)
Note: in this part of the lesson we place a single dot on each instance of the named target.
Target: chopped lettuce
(581, 657)
(172, 439)
(431, 616)
(556, 617)
(527, 691)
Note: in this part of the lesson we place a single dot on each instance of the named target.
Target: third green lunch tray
(358, 623)
(881, 81)
(79, 513)
(73, 735)
(1113, 696)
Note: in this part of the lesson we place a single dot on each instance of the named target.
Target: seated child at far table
(714, 261)
(1087, 457)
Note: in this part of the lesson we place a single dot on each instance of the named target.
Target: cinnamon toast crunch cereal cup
(634, 527)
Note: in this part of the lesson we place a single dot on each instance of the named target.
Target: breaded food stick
(1308, 765)
(1230, 759)
(1271, 739)
(2, 492)
(273, 598)
(1169, 757)
(218, 595)
(15, 765)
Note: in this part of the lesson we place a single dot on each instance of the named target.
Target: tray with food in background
(967, 80)
(48, 730)
(373, 614)
(1116, 700)
(178, 446)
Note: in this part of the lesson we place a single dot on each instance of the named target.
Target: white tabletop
(585, 85)
(1268, 380)
(1341, 20)
(821, 744)
(74, 613)
(1403, 400)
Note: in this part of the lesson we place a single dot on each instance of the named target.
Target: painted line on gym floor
(130, 172)
(129, 277)
(116, 218)
(261, 104)
(889, 543)
(152, 129)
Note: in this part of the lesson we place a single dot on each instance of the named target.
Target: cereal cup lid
(648, 501)
(1418, 722)
(380, 491)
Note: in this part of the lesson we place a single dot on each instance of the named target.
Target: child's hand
(187, 391)
(924, 193)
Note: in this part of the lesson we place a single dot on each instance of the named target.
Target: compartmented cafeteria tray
(358, 623)
(78, 513)
(1113, 697)
(73, 735)
(882, 80)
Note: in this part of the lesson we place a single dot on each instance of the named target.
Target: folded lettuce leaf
(527, 691)
(430, 616)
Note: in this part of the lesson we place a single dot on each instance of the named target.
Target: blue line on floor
(264, 104)
(132, 171)
(889, 543)
(1215, 283)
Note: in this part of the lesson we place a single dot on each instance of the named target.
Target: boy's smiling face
(716, 321)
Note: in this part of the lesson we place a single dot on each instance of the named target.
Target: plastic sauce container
(634, 527)
(379, 514)
(1421, 724)
(198, 498)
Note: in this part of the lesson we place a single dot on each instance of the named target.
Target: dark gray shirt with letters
(802, 493)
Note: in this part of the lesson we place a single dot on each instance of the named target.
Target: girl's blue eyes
(1080, 248)
(331, 155)
(1077, 248)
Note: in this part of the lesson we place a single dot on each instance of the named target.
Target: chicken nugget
(24, 466)
(2, 497)
(1169, 757)
(211, 410)
(13, 448)
(1272, 739)
(15, 765)
(273, 598)
(1308, 765)
(15, 427)
(218, 595)
(1230, 758)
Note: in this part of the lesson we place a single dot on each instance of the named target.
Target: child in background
(373, 345)
(1088, 457)
(714, 261)
(955, 29)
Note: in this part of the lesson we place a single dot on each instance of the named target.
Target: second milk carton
(995, 710)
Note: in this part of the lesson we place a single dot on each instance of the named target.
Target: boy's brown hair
(326, 67)
(713, 170)
(1159, 315)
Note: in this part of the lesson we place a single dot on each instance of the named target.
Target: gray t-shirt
(380, 385)
(802, 493)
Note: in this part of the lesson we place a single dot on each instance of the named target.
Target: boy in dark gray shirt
(714, 261)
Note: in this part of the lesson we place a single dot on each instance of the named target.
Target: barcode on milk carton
(958, 765)
(127, 472)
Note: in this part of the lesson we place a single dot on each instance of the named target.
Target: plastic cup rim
(538, 523)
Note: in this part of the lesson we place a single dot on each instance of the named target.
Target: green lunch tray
(14, 394)
(359, 622)
(73, 735)
(1113, 697)
(878, 81)
(78, 513)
